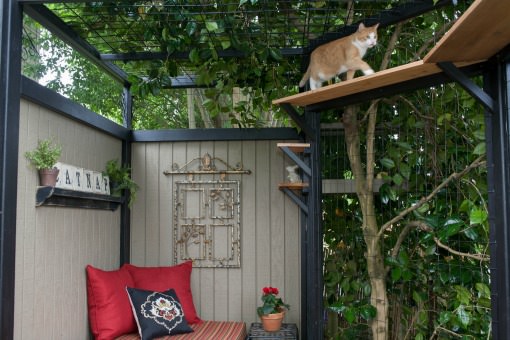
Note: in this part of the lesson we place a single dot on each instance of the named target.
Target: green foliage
(120, 179)
(45, 155)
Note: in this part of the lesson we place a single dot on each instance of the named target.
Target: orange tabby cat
(339, 56)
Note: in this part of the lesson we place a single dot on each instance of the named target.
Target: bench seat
(221, 330)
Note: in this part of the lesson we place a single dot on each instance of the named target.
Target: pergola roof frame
(40, 13)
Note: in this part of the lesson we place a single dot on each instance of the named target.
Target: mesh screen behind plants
(431, 211)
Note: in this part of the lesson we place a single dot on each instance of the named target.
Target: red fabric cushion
(161, 279)
(110, 312)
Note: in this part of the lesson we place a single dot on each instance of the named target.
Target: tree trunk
(364, 191)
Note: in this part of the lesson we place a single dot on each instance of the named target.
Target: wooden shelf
(293, 186)
(295, 147)
(392, 76)
(51, 196)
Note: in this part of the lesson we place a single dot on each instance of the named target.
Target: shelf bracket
(296, 199)
(299, 120)
(297, 160)
(474, 90)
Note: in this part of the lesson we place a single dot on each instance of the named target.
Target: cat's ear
(361, 27)
(376, 25)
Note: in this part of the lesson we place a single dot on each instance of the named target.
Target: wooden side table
(288, 331)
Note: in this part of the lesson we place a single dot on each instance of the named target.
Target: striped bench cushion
(218, 330)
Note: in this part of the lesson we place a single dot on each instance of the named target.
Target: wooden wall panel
(54, 244)
(270, 240)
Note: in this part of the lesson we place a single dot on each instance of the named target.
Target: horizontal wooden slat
(293, 186)
(380, 79)
(481, 32)
(296, 147)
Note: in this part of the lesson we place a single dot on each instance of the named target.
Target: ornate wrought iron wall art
(207, 213)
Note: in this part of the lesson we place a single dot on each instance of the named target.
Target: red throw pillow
(161, 279)
(110, 312)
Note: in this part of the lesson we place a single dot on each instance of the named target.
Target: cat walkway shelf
(480, 33)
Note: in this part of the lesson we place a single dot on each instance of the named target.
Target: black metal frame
(10, 75)
(498, 142)
(498, 158)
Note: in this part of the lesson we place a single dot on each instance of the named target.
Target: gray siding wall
(54, 244)
(270, 227)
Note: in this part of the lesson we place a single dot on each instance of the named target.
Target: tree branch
(425, 227)
(454, 176)
(478, 257)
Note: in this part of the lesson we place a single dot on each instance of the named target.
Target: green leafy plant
(120, 179)
(45, 155)
(272, 303)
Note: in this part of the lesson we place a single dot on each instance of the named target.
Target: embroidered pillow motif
(157, 314)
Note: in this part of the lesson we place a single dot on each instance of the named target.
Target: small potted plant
(120, 179)
(273, 309)
(44, 157)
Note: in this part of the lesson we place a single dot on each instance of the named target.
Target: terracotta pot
(48, 177)
(272, 322)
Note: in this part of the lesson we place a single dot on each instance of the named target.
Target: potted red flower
(273, 309)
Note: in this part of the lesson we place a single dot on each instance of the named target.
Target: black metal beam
(384, 18)
(55, 25)
(314, 309)
(54, 101)
(474, 90)
(10, 74)
(230, 53)
(125, 211)
(390, 90)
(181, 135)
(59, 1)
(497, 137)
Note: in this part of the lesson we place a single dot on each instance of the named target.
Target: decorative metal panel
(207, 219)
(207, 213)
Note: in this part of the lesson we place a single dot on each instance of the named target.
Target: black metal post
(313, 236)
(498, 158)
(125, 214)
(10, 78)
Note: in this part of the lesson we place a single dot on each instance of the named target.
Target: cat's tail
(305, 78)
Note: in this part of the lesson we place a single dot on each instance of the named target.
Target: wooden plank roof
(482, 31)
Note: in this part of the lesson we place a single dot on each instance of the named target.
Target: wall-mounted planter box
(52, 196)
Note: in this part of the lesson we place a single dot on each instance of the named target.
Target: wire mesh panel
(412, 255)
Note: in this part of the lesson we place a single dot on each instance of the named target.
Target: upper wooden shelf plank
(481, 32)
(380, 79)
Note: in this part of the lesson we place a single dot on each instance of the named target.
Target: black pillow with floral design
(157, 314)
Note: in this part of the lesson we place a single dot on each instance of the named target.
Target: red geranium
(272, 304)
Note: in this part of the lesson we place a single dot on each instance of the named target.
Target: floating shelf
(51, 196)
(293, 186)
(295, 147)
